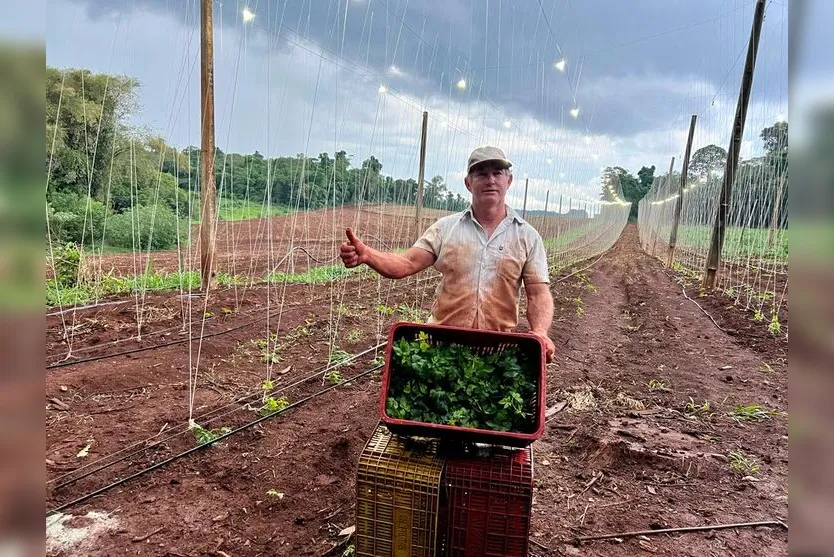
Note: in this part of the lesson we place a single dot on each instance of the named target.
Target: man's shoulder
(446, 222)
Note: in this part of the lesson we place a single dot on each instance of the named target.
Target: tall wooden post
(421, 176)
(207, 193)
(524, 210)
(673, 236)
(657, 221)
(720, 225)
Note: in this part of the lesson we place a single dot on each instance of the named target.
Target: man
(484, 253)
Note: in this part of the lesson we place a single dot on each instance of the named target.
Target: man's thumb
(352, 237)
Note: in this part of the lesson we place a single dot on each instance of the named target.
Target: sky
(305, 76)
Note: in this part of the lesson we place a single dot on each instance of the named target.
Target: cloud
(281, 88)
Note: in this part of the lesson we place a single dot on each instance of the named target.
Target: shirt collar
(511, 213)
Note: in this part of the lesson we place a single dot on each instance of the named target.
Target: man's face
(488, 182)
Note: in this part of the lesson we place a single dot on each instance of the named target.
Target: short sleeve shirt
(482, 278)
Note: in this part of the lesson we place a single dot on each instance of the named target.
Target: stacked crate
(397, 497)
(427, 490)
(487, 501)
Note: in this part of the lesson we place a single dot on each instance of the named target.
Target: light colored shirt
(482, 278)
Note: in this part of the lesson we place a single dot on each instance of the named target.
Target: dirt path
(663, 464)
(621, 324)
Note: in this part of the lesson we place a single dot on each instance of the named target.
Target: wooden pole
(207, 193)
(673, 236)
(524, 210)
(546, 199)
(774, 222)
(720, 225)
(418, 225)
(657, 224)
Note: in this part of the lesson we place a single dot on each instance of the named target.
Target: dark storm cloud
(505, 49)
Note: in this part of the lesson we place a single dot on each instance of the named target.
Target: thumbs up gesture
(353, 252)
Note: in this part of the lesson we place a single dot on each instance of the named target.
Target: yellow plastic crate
(398, 493)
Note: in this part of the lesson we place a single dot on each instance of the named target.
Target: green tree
(84, 115)
(706, 160)
(633, 189)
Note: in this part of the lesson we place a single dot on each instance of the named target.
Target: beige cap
(486, 153)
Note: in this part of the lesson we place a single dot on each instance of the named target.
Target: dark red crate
(485, 342)
(486, 504)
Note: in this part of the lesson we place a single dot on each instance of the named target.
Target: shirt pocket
(506, 259)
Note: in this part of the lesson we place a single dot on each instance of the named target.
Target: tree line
(755, 190)
(119, 185)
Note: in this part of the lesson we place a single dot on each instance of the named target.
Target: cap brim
(506, 163)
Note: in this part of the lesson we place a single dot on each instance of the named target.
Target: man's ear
(510, 181)
(466, 183)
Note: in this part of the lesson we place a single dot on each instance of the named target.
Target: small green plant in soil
(333, 377)
(752, 413)
(272, 405)
(774, 328)
(355, 335)
(657, 385)
(204, 436)
(452, 385)
(695, 410)
(742, 463)
(339, 356)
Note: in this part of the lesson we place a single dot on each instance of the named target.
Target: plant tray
(398, 495)
(482, 342)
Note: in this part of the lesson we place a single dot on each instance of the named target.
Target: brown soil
(244, 247)
(659, 467)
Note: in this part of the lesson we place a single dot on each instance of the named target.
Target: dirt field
(620, 456)
(244, 247)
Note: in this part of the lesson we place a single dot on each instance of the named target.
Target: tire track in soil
(657, 464)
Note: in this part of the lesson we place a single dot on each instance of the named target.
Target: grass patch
(315, 275)
(753, 413)
(697, 410)
(656, 385)
(743, 464)
(109, 284)
(739, 243)
(240, 209)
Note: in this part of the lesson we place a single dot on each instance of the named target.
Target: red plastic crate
(486, 503)
(484, 342)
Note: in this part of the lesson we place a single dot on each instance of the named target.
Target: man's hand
(550, 348)
(353, 252)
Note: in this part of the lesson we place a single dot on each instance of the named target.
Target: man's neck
(489, 215)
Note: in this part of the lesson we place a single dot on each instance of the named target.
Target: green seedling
(333, 377)
(272, 405)
(384, 310)
(449, 384)
(695, 410)
(657, 385)
(753, 413)
(268, 385)
(355, 335)
(774, 328)
(742, 463)
(758, 316)
(338, 357)
(204, 436)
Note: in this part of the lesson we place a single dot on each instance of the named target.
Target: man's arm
(540, 313)
(388, 264)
